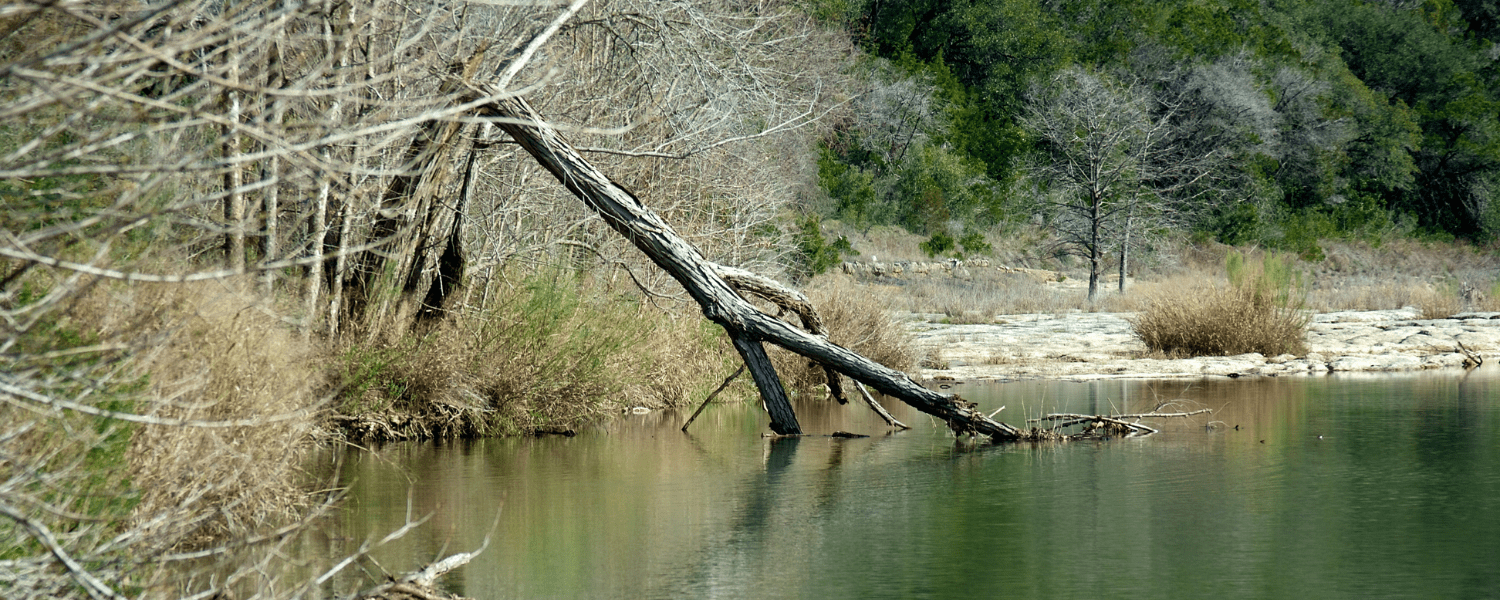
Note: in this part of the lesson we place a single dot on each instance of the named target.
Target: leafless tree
(1111, 161)
(1094, 132)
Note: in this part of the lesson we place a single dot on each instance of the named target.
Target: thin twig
(41, 534)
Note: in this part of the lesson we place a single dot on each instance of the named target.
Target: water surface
(1361, 486)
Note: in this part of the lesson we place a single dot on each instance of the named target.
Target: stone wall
(962, 269)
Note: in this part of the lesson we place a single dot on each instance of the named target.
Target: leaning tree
(355, 160)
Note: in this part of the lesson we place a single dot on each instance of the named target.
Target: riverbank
(1086, 346)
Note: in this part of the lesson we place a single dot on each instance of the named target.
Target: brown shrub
(183, 360)
(1259, 311)
(547, 352)
(1439, 302)
(220, 355)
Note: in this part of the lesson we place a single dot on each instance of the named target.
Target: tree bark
(388, 290)
(787, 299)
(1096, 243)
(407, 280)
(234, 198)
(1125, 245)
(747, 325)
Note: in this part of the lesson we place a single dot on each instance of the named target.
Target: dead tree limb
(1472, 359)
(1119, 422)
(421, 584)
(711, 397)
(1094, 421)
(747, 326)
(879, 410)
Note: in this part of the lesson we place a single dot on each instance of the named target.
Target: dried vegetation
(197, 407)
(541, 353)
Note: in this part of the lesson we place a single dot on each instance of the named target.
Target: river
(1348, 486)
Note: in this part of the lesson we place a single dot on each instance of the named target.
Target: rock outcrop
(1084, 346)
(962, 269)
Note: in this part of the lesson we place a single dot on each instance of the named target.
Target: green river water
(1372, 486)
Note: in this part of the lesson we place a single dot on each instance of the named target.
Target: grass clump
(1260, 310)
(219, 354)
(143, 420)
(545, 353)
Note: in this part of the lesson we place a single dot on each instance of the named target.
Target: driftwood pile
(1099, 426)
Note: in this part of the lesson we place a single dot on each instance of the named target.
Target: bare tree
(1111, 161)
(1093, 132)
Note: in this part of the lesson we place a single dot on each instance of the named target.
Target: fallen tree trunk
(787, 299)
(747, 326)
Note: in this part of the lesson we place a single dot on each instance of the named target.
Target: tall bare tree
(1111, 161)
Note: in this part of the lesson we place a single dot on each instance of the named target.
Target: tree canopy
(1342, 118)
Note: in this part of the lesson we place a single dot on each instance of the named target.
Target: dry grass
(1438, 302)
(544, 352)
(856, 320)
(126, 491)
(1260, 311)
(1400, 273)
(986, 294)
(1391, 274)
(222, 355)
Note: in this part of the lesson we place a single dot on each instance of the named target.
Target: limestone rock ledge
(1084, 346)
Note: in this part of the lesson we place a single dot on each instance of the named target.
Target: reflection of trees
(741, 516)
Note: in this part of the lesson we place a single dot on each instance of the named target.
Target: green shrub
(939, 244)
(1260, 310)
(974, 243)
(814, 252)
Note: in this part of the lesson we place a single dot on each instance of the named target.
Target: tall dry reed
(1260, 310)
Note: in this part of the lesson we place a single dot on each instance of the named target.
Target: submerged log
(747, 325)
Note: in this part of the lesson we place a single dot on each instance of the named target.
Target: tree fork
(746, 324)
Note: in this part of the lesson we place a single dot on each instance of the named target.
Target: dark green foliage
(1369, 110)
(815, 253)
(1428, 59)
(939, 244)
(851, 187)
(973, 243)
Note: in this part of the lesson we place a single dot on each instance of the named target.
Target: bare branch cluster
(1117, 161)
(318, 163)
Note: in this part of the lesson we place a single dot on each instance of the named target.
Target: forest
(1268, 123)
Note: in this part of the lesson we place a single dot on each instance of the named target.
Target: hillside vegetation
(1277, 124)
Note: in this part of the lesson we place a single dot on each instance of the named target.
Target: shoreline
(1090, 346)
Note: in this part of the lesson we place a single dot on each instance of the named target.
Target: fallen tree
(705, 281)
